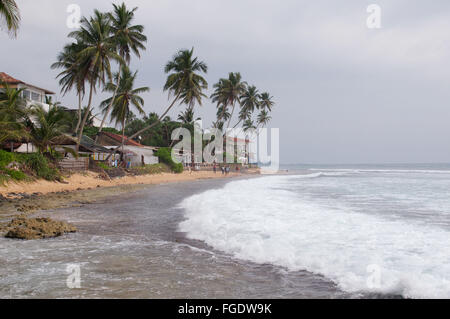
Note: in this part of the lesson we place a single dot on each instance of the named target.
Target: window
(36, 97)
(26, 94)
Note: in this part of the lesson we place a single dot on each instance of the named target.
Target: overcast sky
(344, 93)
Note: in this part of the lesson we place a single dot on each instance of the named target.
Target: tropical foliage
(97, 59)
(9, 17)
(125, 96)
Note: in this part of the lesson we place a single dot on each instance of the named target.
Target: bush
(39, 164)
(16, 175)
(165, 156)
(5, 158)
(103, 166)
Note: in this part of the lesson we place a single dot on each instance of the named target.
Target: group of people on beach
(225, 169)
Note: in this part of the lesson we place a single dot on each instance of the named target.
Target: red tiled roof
(238, 140)
(118, 138)
(10, 80)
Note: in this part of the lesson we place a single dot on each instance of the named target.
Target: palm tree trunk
(109, 106)
(80, 101)
(150, 126)
(231, 116)
(123, 135)
(237, 123)
(83, 123)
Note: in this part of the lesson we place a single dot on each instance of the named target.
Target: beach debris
(37, 228)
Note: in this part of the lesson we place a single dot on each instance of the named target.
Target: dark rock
(37, 228)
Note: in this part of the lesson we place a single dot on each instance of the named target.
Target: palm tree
(95, 59)
(228, 92)
(48, 127)
(263, 118)
(249, 102)
(71, 76)
(125, 97)
(13, 114)
(10, 16)
(128, 38)
(186, 117)
(266, 101)
(248, 125)
(184, 83)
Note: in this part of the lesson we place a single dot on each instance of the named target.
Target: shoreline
(30, 199)
(91, 180)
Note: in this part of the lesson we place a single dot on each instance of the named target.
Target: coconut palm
(48, 127)
(249, 102)
(9, 16)
(184, 83)
(71, 77)
(13, 114)
(184, 80)
(128, 39)
(266, 101)
(95, 59)
(248, 125)
(186, 117)
(263, 118)
(228, 93)
(126, 97)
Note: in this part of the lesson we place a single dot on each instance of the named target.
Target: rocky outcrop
(37, 228)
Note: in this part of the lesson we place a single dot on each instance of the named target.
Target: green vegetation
(103, 166)
(165, 156)
(125, 95)
(152, 169)
(28, 166)
(40, 166)
(108, 40)
(9, 16)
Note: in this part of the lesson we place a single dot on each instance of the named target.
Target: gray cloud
(344, 93)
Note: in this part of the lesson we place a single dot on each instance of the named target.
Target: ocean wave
(259, 221)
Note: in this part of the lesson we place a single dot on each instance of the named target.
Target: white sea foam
(260, 221)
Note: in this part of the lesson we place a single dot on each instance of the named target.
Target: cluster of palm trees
(233, 92)
(108, 40)
(102, 40)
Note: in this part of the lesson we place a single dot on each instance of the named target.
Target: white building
(31, 93)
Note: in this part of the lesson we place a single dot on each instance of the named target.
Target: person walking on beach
(215, 168)
(222, 169)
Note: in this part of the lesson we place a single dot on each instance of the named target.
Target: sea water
(369, 229)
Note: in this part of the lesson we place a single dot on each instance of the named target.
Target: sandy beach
(92, 180)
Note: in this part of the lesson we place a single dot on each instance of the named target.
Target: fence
(74, 164)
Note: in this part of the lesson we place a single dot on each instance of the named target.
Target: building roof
(87, 143)
(238, 140)
(13, 81)
(118, 138)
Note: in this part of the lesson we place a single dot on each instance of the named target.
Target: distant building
(134, 152)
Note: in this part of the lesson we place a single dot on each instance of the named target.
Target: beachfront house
(134, 153)
(33, 95)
